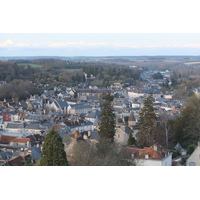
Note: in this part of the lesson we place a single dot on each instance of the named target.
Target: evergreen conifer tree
(53, 153)
(131, 139)
(107, 124)
(147, 123)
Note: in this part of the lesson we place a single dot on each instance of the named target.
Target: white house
(194, 159)
(151, 156)
(122, 135)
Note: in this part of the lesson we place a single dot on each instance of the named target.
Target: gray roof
(92, 90)
(61, 104)
(94, 135)
(10, 112)
(5, 155)
(32, 126)
(36, 153)
(131, 116)
(80, 106)
(93, 114)
(13, 125)
(23, 125)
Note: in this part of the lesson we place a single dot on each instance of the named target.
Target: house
(79, 108)
(10, 116)
(155, 155)
(6, 139)
(31, 128)
(179, 149)
(60, 106)
(194, 158)
(92, 92)
(79, 125)
(20, 142)
(136, 104)
(197, 92)
(122, 135)
(94, 117)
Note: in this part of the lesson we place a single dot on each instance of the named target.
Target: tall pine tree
(53, 153)
(107, 124)
(147, 123)
(131, 139)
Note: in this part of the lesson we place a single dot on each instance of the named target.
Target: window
(192, 164)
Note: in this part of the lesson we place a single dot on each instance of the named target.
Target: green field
(32, 65)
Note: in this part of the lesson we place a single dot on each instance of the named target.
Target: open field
(32, 65)
(192, 63)
(73, 70)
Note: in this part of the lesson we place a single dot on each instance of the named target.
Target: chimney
(22, 154)
(76, 134)
(89, 133)
(85, 137)
(155, 147)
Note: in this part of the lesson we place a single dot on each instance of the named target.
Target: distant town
(41, 94)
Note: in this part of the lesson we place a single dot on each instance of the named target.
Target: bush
(174, 154)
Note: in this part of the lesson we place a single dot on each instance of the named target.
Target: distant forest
(26, 75)
(100, 71)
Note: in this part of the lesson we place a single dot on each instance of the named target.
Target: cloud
(22, 45)
(78, 44)
(6, 43)
(120, 45)
(82, 44)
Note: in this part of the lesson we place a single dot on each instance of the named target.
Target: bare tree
(165, 125)
(102, 153)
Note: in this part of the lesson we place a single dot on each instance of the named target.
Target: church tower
(131, 120)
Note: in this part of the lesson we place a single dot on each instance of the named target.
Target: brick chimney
(76, 134)
(155, 147)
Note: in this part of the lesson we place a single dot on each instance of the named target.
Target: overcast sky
(99, 44)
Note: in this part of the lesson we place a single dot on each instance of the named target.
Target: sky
(99, 44)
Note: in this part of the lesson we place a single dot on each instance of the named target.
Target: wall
(121, 137)
(167, 161)
(194, 157)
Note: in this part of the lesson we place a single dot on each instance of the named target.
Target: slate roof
(36, 153)
(92, 90)
(94, 135)
(32, 126)
(80, 106)
(13, 125)
(5, 155)
(93, 114)
(61, 103)
(9, 112)
(131, 116)
(24, 125)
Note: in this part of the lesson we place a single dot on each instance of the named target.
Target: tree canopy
(107, 123)
(187, 126)
(147, 123)
(53, 153)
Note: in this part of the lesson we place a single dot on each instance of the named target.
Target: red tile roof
(21, 140)
(156, 151)
(19, 161)
(6, 139)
